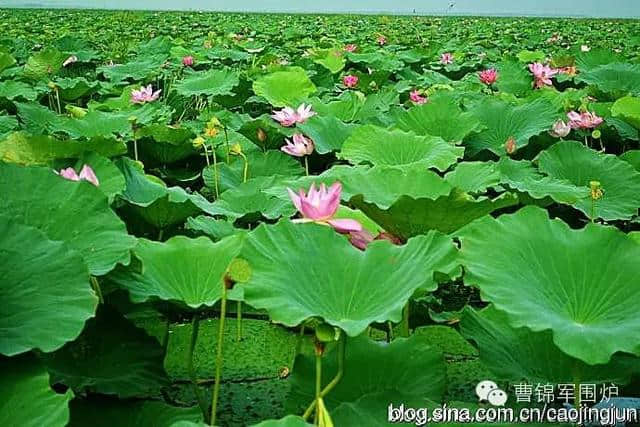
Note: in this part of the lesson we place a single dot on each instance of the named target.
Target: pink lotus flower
(350, 47)
(542, 74)
(381, 40)
(145, 94)
(361, 239)
(187, 61)
(299, 147)
(446, 58)
(70, 60)
(489, 76)
(560, 129)
(320, 205)
(288, 116)
(86, 174)
(417, 98)
(350, 80)
(584, 120)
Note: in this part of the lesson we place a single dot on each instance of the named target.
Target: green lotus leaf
(74, 212)
(44, 294)
(381, 147)
(327, 132)
(12, 89)
(412, 368)
(332, 59)
(43, 64)
(284, 88)
(629, 109)
(26, 149)
(522, 176)
(212, 227)
(36, 119)
(503, 121)
(546, 276)
(513, 78)
(75, 88)
(131, 413)
(474, 177)
(615, 77)
(633, 158)
(528, 56)
(573, 162)
(208, 83)
(7, 124)
(346, 287)
(94, 124)
(112, 181)
(440, 117)
(26, 398)
(517, 354)
(377, 60)
(181, 269)
(143, 68)
(288, 421)
(6, 60)
(110, 357)
(166, 144)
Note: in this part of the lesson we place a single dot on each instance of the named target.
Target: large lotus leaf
(74, 88)
(111, 180)
(411, 368)
(546, 276)
(332, 59)
(181, 269)
(573, 162)
(12, 89)
(377, 60)
(348, 288)
(522, 176)
(474, 177)
(284, 88)
(513, 78)
(26, 398)
(409, 216)
(503, 121)
(212, 227)
(249, 198)
(6, 60)
(616, 77)
(288, 421)
(45, 296)
(381, 147)
(633, 158)
(629, 109)
(327, 132)
(110, 357)
(94, 124)
(440, 117)
(36, 118)
(45, 63)
(26, 149)
(131, 413)
(144, 67)
(208, 83)
(7, 124)
(74, 212)
(517, 354)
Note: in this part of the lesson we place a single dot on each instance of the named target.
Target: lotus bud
(51, 85)
(325, 333)
(198, 142)
(596, 190)
(318, 347)
(261, 135)
(236, 149)
(211, 132)
(510, 146)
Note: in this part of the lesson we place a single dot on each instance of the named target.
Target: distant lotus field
(269, 220)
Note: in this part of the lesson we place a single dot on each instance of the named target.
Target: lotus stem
(245, 171)
(389, 331)
(219, 360)
(405, 321)
(318, 384)
(206, 154)
(195, 326)
(341, 362)
(298, 346)
(58, 101)
(135, 146)
(239, 325)
(96, 287)
(306, 165)
(226, 138)
(593, 210)
(160, 234)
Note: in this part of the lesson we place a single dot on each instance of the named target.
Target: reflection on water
(592, 8)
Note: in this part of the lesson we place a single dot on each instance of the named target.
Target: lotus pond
(270, 220)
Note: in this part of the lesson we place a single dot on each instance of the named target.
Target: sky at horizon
(577, 8)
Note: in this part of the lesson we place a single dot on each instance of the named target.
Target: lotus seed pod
(325, 332)
(261, 134)
(240, 270)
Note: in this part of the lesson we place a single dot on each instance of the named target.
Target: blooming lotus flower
(560, 129)
(446, 58)
(86, 174)
(286, 117)
(303, 113)
(145, 94)
(70, 60)
(382, 40)
(187, 61)
(542, 74)
(350, 47)
(417, 98)
(299, 147)
(489, 76)
(350, 80)
(584, 120)
(320, 205)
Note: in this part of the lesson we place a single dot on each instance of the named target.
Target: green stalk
(389, 331)
(195, 326)
(216, 385)
(226, 137)
(239, 321)
(318, 383)
(58, 101)
(306, 165)
(96, 287)
(135, 146)
(405, 321)
(206, 154)
(336, 379)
